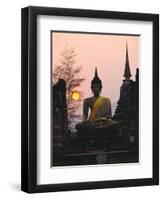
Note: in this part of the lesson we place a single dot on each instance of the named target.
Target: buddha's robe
(100, 115)
(101, 109)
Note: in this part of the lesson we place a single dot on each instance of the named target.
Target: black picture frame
(29, 98)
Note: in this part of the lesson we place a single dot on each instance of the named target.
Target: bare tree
(68, 71)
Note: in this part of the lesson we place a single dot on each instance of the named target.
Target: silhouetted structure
(59, 120)
(128, 105)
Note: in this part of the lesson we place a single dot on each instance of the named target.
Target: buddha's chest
(91, 103)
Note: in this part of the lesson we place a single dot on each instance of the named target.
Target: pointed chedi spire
(127, 73)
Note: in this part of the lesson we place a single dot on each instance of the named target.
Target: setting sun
(75, 95)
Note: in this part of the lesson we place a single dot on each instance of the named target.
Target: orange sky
(106, 52)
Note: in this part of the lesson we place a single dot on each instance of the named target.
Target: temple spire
(127, 73)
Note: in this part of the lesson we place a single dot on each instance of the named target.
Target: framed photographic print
(90, 99)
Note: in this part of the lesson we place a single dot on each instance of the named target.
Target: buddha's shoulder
(92, 99)
(89, 99)
(107, 99)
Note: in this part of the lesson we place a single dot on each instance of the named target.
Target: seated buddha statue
(99, 106)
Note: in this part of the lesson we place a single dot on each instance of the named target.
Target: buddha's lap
(97, 124)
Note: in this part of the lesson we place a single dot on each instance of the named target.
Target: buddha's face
(96, 89)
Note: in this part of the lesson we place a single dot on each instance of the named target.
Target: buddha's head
(96, 84)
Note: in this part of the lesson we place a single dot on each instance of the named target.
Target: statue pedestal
(100, 138)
